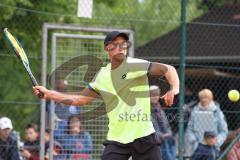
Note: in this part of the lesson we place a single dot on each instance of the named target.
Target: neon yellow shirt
(125, 91)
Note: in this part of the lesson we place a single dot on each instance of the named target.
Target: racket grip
(34, 82)
(40, 94)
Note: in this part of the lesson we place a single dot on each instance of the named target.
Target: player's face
(117, 49)
(31, 135)
(4, 134)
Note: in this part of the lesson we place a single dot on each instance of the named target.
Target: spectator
(8, 145)
(207, 150)
(161, 125)
(76, 141)
(56, 148)
(234, 153)
(190, 102)
(206, 116)
(30, 150)
(62, 111)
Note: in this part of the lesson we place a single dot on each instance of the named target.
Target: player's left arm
(170, 73)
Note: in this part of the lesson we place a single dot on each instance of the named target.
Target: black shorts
(145, 148)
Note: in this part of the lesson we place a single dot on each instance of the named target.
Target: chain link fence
(212, 61)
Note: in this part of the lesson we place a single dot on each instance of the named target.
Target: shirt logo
(124, 76)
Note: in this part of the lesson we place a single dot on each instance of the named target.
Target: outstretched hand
(168, 97)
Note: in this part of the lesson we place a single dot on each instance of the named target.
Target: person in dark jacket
(161, 125)
(207, 150)
(8, 145)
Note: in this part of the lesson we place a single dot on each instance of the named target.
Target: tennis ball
(233, 95)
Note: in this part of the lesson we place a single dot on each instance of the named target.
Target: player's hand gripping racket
(21, 56)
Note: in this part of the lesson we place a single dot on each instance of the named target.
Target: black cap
(209, 134)
(112, 35)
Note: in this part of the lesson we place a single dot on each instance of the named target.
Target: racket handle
(34, 82)
(40, 94)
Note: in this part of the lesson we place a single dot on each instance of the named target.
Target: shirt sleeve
(89, 86)
(139, 67)
(94, 84)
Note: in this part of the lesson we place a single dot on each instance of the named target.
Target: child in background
(207, 150)
(30, 150)
(56, 148)
(76, 142)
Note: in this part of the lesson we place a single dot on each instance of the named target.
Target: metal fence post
(182, 79)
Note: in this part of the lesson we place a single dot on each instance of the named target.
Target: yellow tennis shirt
(125, 91)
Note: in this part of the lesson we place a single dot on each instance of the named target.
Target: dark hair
(47, 130)
(68, 131)
(33, 126)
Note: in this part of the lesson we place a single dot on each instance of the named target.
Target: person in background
(207, 149)
(76, 142)
(234, 153)
(56, 147)
(8, 145)
(30, 150)
(62, 112)
(206, 116)
(161, 125)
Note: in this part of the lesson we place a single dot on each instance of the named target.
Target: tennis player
(123, 84)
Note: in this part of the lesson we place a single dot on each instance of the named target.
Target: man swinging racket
(123, 84)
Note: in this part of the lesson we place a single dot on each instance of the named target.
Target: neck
(116, 62)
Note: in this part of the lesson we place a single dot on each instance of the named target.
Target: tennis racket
(21, 56)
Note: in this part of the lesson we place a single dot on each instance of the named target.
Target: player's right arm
(86, 96)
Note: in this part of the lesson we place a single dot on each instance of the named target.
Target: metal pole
(52, 104)
(43, 102)
(182, 80)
